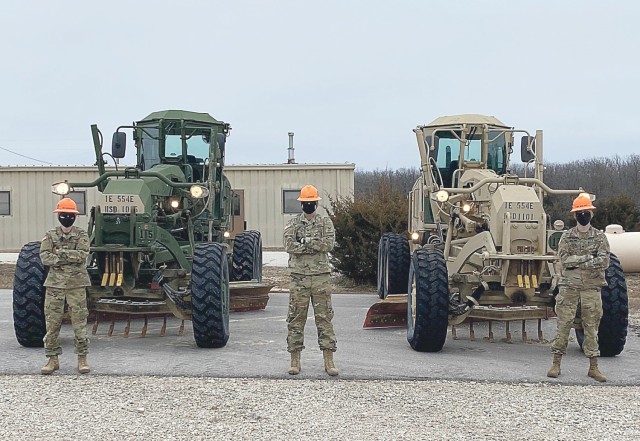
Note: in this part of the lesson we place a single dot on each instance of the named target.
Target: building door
(238, 223)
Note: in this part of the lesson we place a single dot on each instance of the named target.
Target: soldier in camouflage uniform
(308, 238)
(64, 250)
(584, 257)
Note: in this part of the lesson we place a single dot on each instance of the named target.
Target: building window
(5, 203)
(80, 198)
(290, 203)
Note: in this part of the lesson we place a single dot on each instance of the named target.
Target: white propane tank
(625, 245)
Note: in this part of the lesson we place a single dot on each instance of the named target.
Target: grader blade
(244, 296)
(387, 313)
(248, 296)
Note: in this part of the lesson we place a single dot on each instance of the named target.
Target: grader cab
(480, 246)
(160, 234)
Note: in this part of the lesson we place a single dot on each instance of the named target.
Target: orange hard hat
(308, 194)
(67, 205)
(582, 202)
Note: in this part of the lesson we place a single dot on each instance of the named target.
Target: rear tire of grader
(428, 288)
(394, 259)
(210, 295)
(612, 333)
(247, 257)
(28, 297)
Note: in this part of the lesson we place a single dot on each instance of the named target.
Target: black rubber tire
(612, 333)
(428, 272)
(382, 264)
(399, 260)
(247, 257)
(394, 259)
(28, 297)
(210, 295)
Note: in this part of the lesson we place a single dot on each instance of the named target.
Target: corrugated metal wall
(32, 202)
(263, 185)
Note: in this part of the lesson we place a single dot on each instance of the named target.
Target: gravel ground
(176, 408)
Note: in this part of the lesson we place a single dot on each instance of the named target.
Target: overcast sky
(350, 78)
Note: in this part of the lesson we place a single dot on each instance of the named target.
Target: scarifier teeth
(163, 330)
(540, 338)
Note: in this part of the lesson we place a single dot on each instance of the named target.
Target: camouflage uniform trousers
(303, 289)
(591, 312)
(54, 309)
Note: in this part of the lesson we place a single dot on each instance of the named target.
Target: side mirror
(527, 155)
(119, 144)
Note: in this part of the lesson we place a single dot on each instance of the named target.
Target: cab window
(150, 150)
(496, 153)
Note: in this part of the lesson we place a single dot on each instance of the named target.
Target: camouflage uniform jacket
(584, 257)
(308, 243)
(66, 256)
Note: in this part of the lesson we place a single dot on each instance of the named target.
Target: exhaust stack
(292, 159)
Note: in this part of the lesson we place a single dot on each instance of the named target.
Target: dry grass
(6, 275)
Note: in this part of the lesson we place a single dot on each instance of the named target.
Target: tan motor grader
(480, 245)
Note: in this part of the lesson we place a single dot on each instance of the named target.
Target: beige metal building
(266, 197)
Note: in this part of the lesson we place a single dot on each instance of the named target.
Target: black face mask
(583, 217)
(66, 219)
(309, 207)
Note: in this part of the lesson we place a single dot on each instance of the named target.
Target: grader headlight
(61, 188)
(442, 196)
(466, 207)
(415, 236)
(198, 192)
(174, 203)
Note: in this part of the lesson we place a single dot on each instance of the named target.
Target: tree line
(380, 205)
(615, 182)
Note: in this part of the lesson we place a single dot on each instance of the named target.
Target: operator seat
(453, 166)
(196, 166)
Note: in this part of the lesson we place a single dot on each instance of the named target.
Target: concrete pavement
(257, 348)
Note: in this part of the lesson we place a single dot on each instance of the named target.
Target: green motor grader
(160, 235)
(480, 246)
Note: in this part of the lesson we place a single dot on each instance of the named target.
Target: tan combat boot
(83, 367)
(329, 367)
(554, 372)
(295, 363)
(52, 365)
(594, 372)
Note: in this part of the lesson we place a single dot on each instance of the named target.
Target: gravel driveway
(147, 408)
